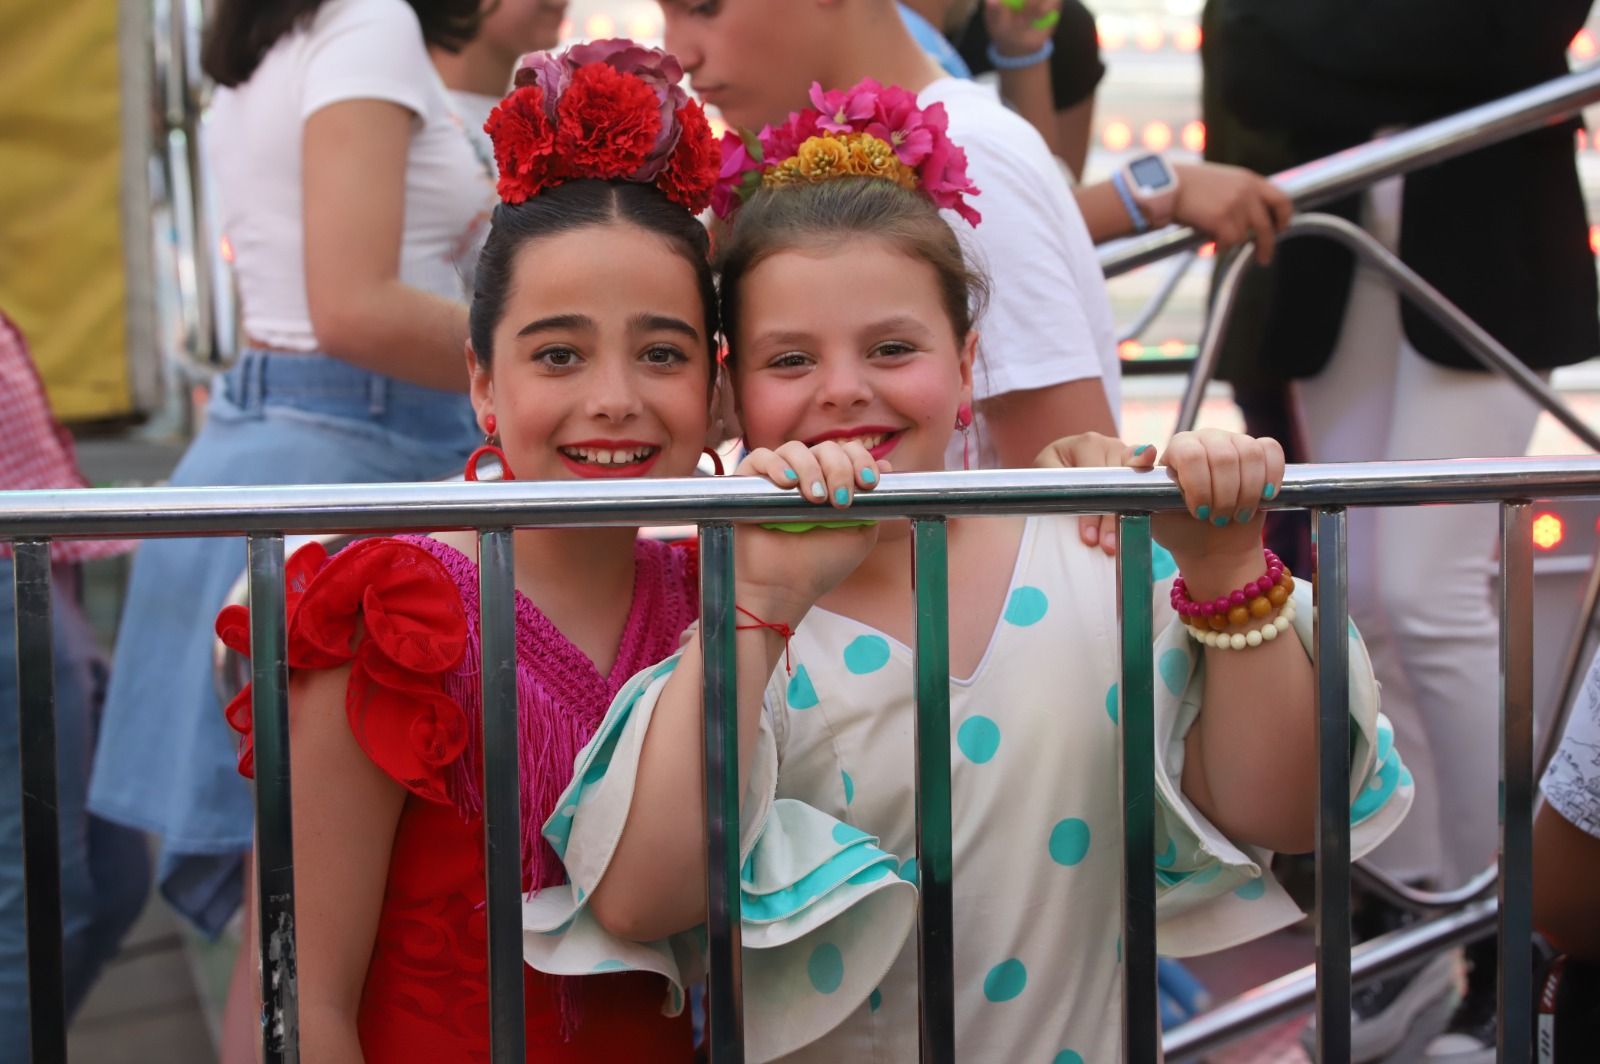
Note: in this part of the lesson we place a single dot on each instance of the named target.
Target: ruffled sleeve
(392, 612)
(1211, 893)
(823, 913)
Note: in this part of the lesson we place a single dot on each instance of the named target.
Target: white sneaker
(1396, 1019)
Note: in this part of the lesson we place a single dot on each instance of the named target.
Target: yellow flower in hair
(871, 157)
(824, 157)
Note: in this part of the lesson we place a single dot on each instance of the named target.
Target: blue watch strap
(1141, 224)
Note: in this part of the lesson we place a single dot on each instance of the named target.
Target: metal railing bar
(269, 707)
(1332, 669)
(1392, 954)
(1158, 299)
(1515, 966)
(1489, 351)
(1407, 897)
(1141, 1022)
(1349, 171)
(725, 986)
(502, 793)
(116, 513)
(935, 851)
(41, 843)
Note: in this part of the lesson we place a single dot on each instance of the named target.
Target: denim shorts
(166, 758)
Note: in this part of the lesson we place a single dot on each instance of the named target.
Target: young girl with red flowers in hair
(848, 310)
(591, 357)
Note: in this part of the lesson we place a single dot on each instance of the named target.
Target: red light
(1128, 350)
(1111, 38)
(1187, 39)
(1158, 136)
(1194, 136)
(1173, 349)
(1149, 38)
(1583, 140)
(1117, 136)
(1583, 45)
(1594, 239)
(644, 26)
(225, 246)
(601, 26)
(1547, 531)
(1208, 250)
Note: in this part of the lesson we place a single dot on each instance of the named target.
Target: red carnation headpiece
(608, 110)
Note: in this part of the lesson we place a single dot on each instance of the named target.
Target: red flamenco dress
(414, 706)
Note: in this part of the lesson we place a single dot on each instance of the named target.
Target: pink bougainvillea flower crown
(871, 130)
(611, 110)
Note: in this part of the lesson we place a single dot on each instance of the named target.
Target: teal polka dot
(611, 966)
(866, 653)
(1405, 776)
(1069, 842)
(1027, 606)
(1385, 742)
(875, 1000)
(826, 968)
(801, 694)
(978, 738)
(844, 834)
(849, 787)
(1067, 1056)
(908, 871)
(1207, 874)
(1169, 856)
(1256, 888)
(1175, 669)
(1005, 980)
(1162, 563)
(1111, 703)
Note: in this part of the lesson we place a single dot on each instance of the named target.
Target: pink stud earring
(964, 426)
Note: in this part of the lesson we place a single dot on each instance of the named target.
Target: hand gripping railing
(31, 519)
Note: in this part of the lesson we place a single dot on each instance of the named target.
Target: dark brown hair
(243, 31)
(833, 213)
(572, 206)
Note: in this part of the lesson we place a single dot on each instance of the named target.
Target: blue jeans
(167, 761)
(105, 869)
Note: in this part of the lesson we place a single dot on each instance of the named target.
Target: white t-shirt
(1049, 317)
(351, 50)
(1572, 782)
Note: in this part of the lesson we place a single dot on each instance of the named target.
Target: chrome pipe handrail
(1289, 995)
(1338, 175)
(110, 513)
(1159, 298)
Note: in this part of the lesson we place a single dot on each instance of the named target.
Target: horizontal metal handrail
(139, 512)
(1330, 178)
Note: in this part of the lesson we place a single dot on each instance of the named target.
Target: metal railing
(264, 515)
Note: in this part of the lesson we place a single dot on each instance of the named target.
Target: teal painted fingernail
(1269, 491)
(1221, 520)
(819, 489)
(789, 474)
(1242, 516)
(842, 496)
(1203, 512)
(869, 476)
(1143, 447)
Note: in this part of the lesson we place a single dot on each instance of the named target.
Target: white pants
(1419, 576)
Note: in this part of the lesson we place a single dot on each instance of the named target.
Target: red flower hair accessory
(871, 130)
(611, 110)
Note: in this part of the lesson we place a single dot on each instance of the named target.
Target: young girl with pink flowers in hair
(848, 309)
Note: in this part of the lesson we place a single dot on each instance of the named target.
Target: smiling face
(601, 367)
(841, 341)
(754, 60)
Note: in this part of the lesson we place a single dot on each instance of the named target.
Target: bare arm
(1073, 126)
(346, 812)
(1029, 94)
(1022, 424)
(354, 165)
(1566, 863)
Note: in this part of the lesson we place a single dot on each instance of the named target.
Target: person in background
(1502, 234)
(105, 868)
(1229, 203)
(350, 193)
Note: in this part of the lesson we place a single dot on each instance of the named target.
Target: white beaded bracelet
(1253, 638)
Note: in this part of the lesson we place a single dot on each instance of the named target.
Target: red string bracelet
(774, 626)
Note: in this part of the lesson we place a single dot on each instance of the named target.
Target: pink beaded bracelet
(1255, 600)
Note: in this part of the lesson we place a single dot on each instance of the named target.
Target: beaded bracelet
(1255, 600)
(1252, 638)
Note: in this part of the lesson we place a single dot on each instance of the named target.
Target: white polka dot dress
(829, 873)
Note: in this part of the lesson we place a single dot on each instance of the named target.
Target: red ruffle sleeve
(393, 612)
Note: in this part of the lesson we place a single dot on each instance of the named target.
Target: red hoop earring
(489, 447)
(964, 426)
(716, 460)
